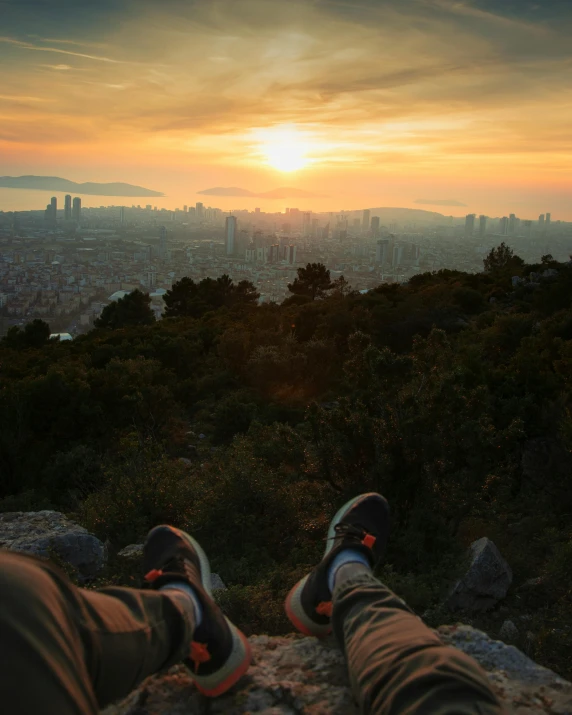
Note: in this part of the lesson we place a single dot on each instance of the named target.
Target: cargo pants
(70, 651)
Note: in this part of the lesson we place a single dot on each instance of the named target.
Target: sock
(183, 587)
(346, 556)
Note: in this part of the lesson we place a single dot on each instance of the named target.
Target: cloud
(58, 67)
(39, 48)
(439, 202)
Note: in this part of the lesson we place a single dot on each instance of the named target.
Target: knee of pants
(24, 585)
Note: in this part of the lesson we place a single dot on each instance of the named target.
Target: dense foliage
(452, 395)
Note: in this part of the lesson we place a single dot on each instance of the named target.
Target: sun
(284, 149)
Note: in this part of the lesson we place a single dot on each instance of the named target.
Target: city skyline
(370, 103)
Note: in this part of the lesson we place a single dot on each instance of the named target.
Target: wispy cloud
(39, 48)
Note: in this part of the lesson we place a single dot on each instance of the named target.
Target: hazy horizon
(370, 103)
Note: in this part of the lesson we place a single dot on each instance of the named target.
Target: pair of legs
(66, 650)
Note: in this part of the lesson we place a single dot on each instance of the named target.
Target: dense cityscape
(65, 265)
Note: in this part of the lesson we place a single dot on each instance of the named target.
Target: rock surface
(487, 579)
(43, 532)
(135, 551)
(296, 675)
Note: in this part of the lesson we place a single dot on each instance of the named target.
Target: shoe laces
(358, 533)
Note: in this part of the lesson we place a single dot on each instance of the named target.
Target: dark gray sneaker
(362, 525)
(219, 653)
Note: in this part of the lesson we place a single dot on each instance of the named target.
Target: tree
(194, 299)
(181, 299)
(313, 281)
(501, 257)
(132, 309)
(341, 287)
(34, 335)
(245, 293)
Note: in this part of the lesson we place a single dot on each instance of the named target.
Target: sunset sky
(371, 102)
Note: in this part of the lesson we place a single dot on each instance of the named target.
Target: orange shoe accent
(296, 622)
(199, 653)
(368, 540)
(233, 677)
(325, 609)
(153, 575)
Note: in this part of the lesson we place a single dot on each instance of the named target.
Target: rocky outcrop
(308, 677)
(135, 551)
(486, 581)
(44, 533)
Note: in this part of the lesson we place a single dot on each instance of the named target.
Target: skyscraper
(512, 224)
(231, 227)
(375, 226)
(548, 219)
(76, 209)
(365, 220)
(383, 251)
(67, 208)
(54, 205)
(291, 254)
(541, 221)
(200, 210)
(503, 226)
(469, 225)
(306, 223)
(122, 214)
(482, 225)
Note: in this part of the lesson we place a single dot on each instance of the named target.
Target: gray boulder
(43, 533)
(309, 676)
(486, 581)
(133, 551)
(508, 632)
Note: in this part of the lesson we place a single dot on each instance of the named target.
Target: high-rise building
(76, 209)
(306, 223)
(548, 219)
(67, 208)
(384, 251)
(54, 205)
(231, 228)
(122, 214)
(503, 226)
(185, 208)
(512, 224)
(541, 221)
(291, 254)
(398, 254)
(365, 220)
(375, 226)
(482, 225)
(469, 225)
(200, 210)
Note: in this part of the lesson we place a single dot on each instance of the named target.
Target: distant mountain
(284, 192)
(439, 202)
(54, 183)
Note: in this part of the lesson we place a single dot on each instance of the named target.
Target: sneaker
(362, 525)
(219, 653)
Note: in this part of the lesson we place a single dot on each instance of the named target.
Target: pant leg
(397, 664)
(69, 651)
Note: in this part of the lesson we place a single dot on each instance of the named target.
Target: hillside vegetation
(451, 395)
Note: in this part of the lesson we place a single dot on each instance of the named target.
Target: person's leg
(397, 664)
(69, 650)
(66, 650)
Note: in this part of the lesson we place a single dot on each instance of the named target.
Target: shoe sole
(241, 655)
(293, 604)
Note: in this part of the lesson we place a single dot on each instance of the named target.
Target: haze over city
(376, 103)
